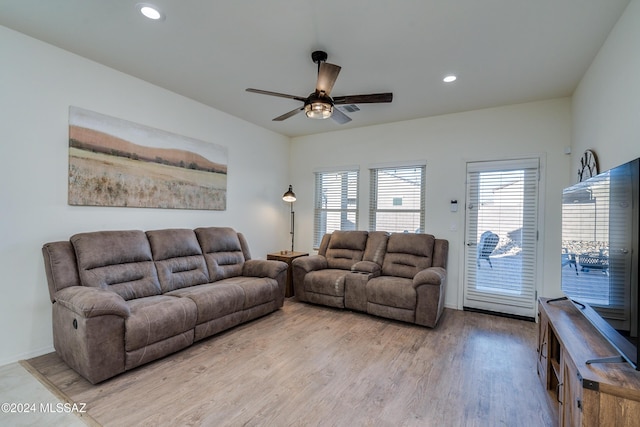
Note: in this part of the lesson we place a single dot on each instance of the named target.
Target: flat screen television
(600, 234)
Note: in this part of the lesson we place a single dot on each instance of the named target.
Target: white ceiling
(503, 51)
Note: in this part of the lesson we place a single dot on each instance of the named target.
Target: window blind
(336, 202)
(501, 236)
(397, 202)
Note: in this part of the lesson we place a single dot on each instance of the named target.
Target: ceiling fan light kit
(318, 110)
(318, 107)
(319, 104)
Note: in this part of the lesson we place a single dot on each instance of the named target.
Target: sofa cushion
(256, 290)
(328, 282)
(119, 261)
(60, 266)
(222, 251)
(324, 244)
(345, 248)
(157, 318)
(407, 254)
(392, 291)
(178, 258)
(376, 247)
(214, 300)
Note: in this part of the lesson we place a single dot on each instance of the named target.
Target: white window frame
(349, 197)
(375, 174)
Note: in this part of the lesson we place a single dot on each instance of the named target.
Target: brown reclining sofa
(124, 298)
(399, 276)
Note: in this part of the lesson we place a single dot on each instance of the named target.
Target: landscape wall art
(114, 162)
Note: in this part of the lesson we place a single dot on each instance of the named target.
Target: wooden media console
(594, 394)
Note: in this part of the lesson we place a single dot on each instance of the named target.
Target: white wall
(38, 83)
(606, 104)
(447, 142)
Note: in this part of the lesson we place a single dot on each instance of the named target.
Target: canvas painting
(114, 162)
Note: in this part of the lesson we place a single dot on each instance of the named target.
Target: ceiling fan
(319, 104)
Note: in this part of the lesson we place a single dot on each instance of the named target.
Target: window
(397, 199)
(336, 202)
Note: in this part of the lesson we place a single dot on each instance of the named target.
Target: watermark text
(49, 407)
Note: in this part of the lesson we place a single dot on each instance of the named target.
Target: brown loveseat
(398, 276)
(125, 298)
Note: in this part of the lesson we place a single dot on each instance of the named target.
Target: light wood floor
(314, 366)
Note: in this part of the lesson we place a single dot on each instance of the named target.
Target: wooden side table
(288, 257)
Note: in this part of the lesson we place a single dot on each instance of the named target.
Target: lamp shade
(289, 196)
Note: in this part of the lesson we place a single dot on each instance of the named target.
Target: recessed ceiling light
(150, 11)
(450, 79)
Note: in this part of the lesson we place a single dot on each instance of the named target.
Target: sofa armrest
(367, 267)
(276, 270)
(92, 302)
(430, 276)
(263, 268)
(430, 285)
(301, 267)
(310, 263)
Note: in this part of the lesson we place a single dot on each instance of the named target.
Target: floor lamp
(290, 197)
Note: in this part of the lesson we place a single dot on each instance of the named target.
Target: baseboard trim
(497, 313)
(26, 355)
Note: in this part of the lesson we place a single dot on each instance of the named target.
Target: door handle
(559, 390)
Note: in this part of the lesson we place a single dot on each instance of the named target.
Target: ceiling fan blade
(281, 95)
(340, 117)
(287, 115)
(363, 99)
(327, 75)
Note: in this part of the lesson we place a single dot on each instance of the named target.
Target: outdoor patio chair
(488, 242)
(569, 259)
